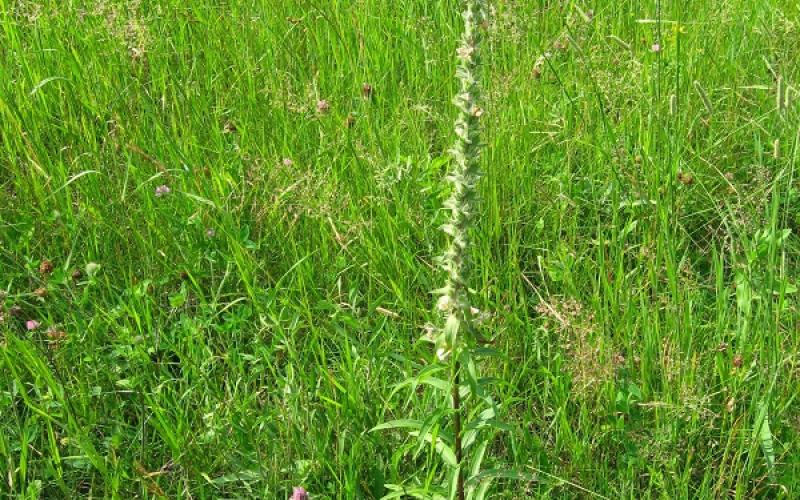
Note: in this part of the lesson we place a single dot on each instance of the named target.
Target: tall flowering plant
(464, 426)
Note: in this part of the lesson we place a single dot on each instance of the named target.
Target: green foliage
(635, 261)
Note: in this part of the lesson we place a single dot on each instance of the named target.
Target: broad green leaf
(763, 434)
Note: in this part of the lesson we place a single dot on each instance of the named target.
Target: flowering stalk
(457, 333)
(454, 297)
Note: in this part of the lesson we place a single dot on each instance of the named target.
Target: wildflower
(56, 335)
(162, 190)
(656, 47)
(32, 324)
(479, 317)
(45, 267)
(40, 292)
(465, 52)
(685, 178)
(538, 67)
(136, 53)
(464, 175)
(678, 29)
(561, 44)
(288, 162)
(323, 106)
(211, 232)
(299, 493)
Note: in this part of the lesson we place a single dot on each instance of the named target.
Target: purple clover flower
(299, 493)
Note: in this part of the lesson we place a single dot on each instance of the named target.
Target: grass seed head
(703, 97)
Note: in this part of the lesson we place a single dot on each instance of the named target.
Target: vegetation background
(216, 244)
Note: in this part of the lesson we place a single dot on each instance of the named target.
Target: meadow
(220, 223)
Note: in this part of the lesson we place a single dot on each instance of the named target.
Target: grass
(636, 251)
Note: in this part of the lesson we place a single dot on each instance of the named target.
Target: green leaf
(482, 490)
(489, 352)
(763, 434)
(178, 299)
(477, 457)
(471, 374)
(492, 423)
(400, 491)
(492, 474)
(398, 424)
(445, 451)
(45, 82)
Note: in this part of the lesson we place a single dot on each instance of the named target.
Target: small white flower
(465, 52)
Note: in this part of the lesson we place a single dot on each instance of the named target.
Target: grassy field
(219, 222)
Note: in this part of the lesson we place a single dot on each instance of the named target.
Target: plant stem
(457, 429)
